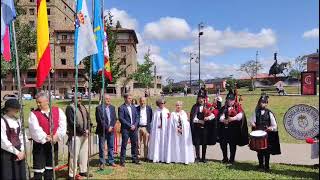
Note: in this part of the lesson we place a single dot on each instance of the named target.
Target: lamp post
(200, 26)
(191, 58)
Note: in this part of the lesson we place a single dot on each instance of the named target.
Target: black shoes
(136, 162)
(204, 160)
(225, 161)
(197, 160)
(85, 174)
(122, 165)
(231, 162)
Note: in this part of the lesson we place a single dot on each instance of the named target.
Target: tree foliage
(26, 42)
(299, 65)
(143, 75)
(251, 68)
(117, 69)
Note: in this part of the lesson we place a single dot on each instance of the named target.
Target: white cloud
(215, 42)
(313, 33)
(168, 28)
(125, 19)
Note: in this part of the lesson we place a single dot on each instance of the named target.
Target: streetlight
(192, 57)
(200, 26)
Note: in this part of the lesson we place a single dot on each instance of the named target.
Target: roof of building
(124, 30)
(316, 54)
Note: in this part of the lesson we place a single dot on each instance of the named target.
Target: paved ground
(290, 153)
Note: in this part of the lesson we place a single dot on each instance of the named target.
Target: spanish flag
(43, 43)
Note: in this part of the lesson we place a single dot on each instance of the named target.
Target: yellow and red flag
(43, 43)
(107, 67)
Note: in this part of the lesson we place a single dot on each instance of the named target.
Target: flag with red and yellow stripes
(43, 43)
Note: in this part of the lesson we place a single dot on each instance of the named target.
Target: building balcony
(65, 41)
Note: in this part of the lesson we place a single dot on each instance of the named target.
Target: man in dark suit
(129, 118)
(145, 114)
(106, 120)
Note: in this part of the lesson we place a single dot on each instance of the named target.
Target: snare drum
(258, 140)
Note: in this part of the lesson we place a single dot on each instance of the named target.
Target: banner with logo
(308, 83)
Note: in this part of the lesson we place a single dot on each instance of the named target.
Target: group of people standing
(162, 136)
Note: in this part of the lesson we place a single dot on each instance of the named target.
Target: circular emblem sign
(302, 121)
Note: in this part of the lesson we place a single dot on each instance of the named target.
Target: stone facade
(61, 27)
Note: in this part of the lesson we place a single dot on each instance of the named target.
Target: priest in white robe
(179, 138)
(157, 141)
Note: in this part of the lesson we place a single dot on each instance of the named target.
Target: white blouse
(5, 143)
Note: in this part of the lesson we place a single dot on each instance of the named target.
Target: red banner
(308, 83)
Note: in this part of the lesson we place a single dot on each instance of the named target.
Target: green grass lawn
(278, 104)
(211, 170)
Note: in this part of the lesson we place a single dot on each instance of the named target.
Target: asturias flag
(43, 43)
(98, 59)
(85, 44)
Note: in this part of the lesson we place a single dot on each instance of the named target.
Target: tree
(116, 69)
(170, 84)
(251, 68)
(26, 42)
(143, 75)
(297, 67)
(118, 25)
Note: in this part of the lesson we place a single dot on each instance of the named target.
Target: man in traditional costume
(159, 128)
(180, 147)
(233, 128)
(39, 127)
(201, 128)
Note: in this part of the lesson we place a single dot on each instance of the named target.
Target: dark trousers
(204, 150)
(11, 169)
(42, 160)
(110, 140)
(264, 158)
(133, 135)
(224, 148)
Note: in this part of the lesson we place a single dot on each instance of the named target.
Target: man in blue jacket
(129, 118)
(106, 120)
(145, 114)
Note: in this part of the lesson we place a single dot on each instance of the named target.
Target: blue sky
(234, 31)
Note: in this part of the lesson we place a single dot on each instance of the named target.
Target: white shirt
(130, 112)
(143, 116)
(273, 123)
(37, 133)
(238, 117)
(5, 143)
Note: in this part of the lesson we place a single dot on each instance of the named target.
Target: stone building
(61, 27)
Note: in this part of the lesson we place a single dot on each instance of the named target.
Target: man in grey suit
(106, 120)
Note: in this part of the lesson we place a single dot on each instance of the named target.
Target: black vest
(263, 121)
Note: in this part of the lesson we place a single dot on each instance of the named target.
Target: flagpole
(89, 92)
(103, 79)
(74, 122)
(51, 127)
(28, 176)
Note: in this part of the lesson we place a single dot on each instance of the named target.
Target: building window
(31, 11)
(48, 11)
(123, 49)
(63, 62)
(31, 1)
(33, 62)
(64, 36)
(49, 23)
(65, 19)
(31, 24)
(63, 49)
(123, 61)
(48, 0)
